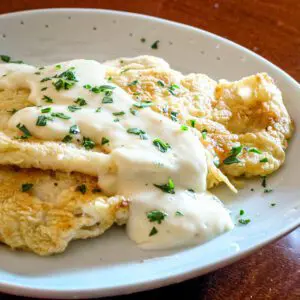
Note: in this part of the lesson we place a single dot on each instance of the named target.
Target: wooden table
(272, 29)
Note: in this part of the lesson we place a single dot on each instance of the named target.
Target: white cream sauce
(134, 164)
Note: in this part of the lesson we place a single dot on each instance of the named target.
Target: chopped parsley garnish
(61, 116)
(68, 75)
(42, 120)
(98, 109)
(184, 128)
(87, 143)
(143, 104)
(63, 84)
(87, 86)
(264, 181)
(117, 120)
(102, 88)
(244, 221)
(204, 134)
(172, 89)
(179, 213)
(26, 187)
(46, 110)
(58, 67)
(264, 160)
(45, 79)
(80, 101)
(107, 99)
(133, 111)
(109, 78)
(47, 99)
(139, 132)
(44, 88)
(134, 82)
(160, 83)
(273, 204)
(155, 45)
(173, 115)
(125, 70)
(41, 68)
(156, 216)
(143, 40)
(73, 108)
(242, 212)
(67, 139)
(24, 130)
(254, 150)
(37, 73)
(193, 123)
(120, 113)
(74, 129)
(153, 231)
(232, 159)
(268, 190)
(104, 141)
(7, 59)
(191, 190)
(81, 188)
(167, 188)
(161, 145)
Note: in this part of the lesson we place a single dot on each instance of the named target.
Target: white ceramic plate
(112, 264)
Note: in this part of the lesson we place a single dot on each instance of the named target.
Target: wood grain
(272, 29)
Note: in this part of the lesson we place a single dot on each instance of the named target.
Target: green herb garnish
(73, 108)
(67, 139)
(160, 83)
(254, 150)
(46, 110)
(193, 123)
(61, 116)
(24, 130)
(45, 79)
(143, 40)
(47, 99)
(81, 188)
(43, 89)
(156, 216)
(264, 160)
(153, 231)
(232, 159)
(173, 115)
(141, 133)
(264, 181)
(143, 104)
(87, 143)
(155, 45)
(268, 190)
(80, 101)
(74, 129)
(244, 221)
(184, 128)
(204, 134)
(87, 86)
(104, 141)
(26, 187)
(134, 82)
(179, 213)
(98, 109)
(172, 89)
(120, 113)
(13, 111)
(107, 100)
(133, 111)
(167, 188)
(242, 212)
(161, 145)
(42, 120)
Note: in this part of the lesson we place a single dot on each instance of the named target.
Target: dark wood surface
(272, 29)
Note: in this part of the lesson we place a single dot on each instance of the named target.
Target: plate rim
(22, 290)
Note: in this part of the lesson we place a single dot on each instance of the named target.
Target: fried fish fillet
(248, 112)
(59, 207)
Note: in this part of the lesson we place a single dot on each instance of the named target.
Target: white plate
(111, 264)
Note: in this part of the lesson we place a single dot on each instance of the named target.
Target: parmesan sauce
(170, 205)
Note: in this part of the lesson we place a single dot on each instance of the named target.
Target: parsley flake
(179, 214)
(184, 128)
(26, 187)
(244, 221)
(104, 141)
(161, 145)
(232, 159)
(74, 129)
(73, 108)
(42, 120)
(143, 104)
(46, 110)
(153, 231)
(81, 188)
(139, 132)
(67, 139)
(156, 216)
(80, 101)
(61, 116)
(87, 143)
(134, 82)
(155, 45)
(47, 99)
(24, 130)
(264, 160)
(254, 150)
(168, 187)
(160, 83)
(204, 133)
(120, 113)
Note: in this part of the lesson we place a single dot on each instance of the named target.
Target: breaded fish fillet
(248, 113)
(56, 209)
